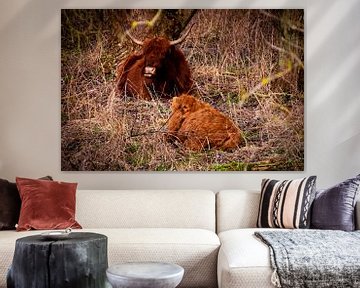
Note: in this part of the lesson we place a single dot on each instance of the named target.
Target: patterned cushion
(286, 204)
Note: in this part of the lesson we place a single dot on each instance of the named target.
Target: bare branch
(269, 79)
(134, 24)
(290, 25)
(292, 54)
(150, 23)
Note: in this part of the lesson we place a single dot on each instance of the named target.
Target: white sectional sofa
(175, 226)
(210, 235)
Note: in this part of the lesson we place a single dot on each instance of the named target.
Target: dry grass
(230, 53)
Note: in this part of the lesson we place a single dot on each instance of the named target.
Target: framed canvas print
(182, 90)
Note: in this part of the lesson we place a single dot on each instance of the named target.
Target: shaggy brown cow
(158, 70)
(200, 126)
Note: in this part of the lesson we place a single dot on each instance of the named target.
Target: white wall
(30, 95)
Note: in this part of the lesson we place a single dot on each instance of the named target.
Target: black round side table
(80, 260)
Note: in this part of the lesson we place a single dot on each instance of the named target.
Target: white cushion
(196, 250)
(146, 209)
(236, 209)
(244, 261)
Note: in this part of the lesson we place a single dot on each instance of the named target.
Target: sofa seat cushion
(196, 250)
(244, 261)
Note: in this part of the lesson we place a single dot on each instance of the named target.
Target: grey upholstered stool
(145, 275)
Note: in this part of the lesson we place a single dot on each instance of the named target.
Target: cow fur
(172, 73)
(199, 126)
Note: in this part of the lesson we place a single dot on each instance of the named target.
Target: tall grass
(246, 63)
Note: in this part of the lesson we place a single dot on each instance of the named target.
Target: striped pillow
(286, 204)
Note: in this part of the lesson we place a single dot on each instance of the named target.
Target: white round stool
(145, 275)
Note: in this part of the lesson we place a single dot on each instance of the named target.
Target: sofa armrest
(357, 215)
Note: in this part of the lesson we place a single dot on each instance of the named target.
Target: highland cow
(158, 70)
(199, 126)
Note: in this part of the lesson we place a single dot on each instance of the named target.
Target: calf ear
(175, 103)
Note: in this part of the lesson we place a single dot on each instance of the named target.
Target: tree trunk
(79, 261)
(172, 22)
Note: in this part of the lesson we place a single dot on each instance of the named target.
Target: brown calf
(200, 126)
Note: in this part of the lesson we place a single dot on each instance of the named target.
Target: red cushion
(46, 204)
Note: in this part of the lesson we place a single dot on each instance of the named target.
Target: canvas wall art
(182, 90)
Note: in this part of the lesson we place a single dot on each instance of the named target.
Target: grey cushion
(334, 208)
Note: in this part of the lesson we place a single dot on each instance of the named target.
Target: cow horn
(182, 38)
(134, 39)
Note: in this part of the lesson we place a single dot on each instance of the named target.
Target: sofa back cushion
(239, 209)
(146, 209)
(236, 209)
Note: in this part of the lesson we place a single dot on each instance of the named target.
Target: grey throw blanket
(314, 258)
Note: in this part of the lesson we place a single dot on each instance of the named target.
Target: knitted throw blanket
(313, 258)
